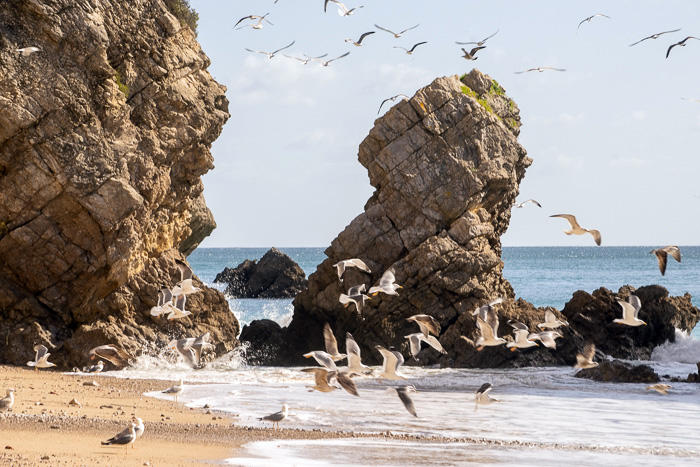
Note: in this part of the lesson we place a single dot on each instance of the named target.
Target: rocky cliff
(104, 135)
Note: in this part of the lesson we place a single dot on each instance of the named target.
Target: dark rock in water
(592, 316)
(268, 338)
(276, 275)
(105, 134)
(615, 371)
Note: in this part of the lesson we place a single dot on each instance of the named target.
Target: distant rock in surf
(276, 275)
(615, 371)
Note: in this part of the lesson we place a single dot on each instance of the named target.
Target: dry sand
(42, 428)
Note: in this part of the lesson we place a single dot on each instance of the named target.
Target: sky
(612, 139)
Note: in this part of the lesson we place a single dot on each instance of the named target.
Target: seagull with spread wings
(403, 391)
(585, 358)
(257, 25)
(355, 295)
(306, 60)
(551, 321)
(681, 44)
(328, 62)
(341, 266)
(482, 396)
(576, 229)
(520, 205)
(415, 340)
(354, 360)
(387, 284)
(522, 340)
(396, 34)
(271, 54)
(480, 43)
(471, 54)
(358, 42)
(331, 343)
(654, 36)
(342, 9)
(540, 69)
(487, 323)
(662, 256)
(410, 52)
(630, 311)
(392, 99)
(427, 324)
(391, 364)
(41, 359)
(588, 20)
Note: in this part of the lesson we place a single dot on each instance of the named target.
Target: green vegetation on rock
(182, 10)
(469, 92)
(122, 87)
(497, 89)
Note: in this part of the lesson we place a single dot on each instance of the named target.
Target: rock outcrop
(276, 275)
(615, 371)
(104, 135)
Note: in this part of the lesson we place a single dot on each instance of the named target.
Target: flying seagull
(359, 43)
(410, 52)
(191, 348)
(577, 229)
(681, 43)
(487, 322)
(662, 256)
(178, 311)
(540, 69)
(342, 10)
(397, 34)
(341, 266)
(690, 99)
(276, 417)
(520, 205)
(427, 324)
(124, 438)
(175, 390)
(521, 333)
(585, 358)
(41, 358)
(328, 62)
(111, 353)
(27, 51)
(322, 358)
(547, 338)
(392, 99)
(661, 388)
(590, 18)
(482, 396)
(8, 401)
(416, 338)
(355, 296)
(403, 391)
(354, 361)
(392, 362)
(470, 55)
(331, 343)
(257, 25)
(630, 311)
(185, 286)
(480, 43)
(322, 379)
(551, 321)
(387, 284)
(271, 54)
(306, 60)
(654, 36)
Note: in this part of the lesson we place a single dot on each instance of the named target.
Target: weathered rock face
(615, 371)
(276, 275)
(104, 135)
(446, 169)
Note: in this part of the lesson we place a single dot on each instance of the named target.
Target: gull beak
(374, 294)
(400, 287)
(644, 322)
(480, 348)
(512, 349)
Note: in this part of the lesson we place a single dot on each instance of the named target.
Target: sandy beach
(43, 428)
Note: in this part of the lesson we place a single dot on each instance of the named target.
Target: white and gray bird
(322, 358)
(191, 348)
(41, 358)
(276, 417)
(355, 364)
(392, 99)
(185, 286)
(391, 364)
(551, 321)
(427, 324)
(331, 343)
(520, 205)
(111, 353)
(355, 295)
(681, 44)
(342, 9)
(482, 396)
(165, 303)
(479, 43)
(328, 62)
(576, 229)
(175, 390)
(387, 284)
(96, 369)
(471, 54)
(630, 311)
(306, 60)
(410, 51)
(487, 323)
(323, 379)
(341, 266)
(585, 358)
(661, 388)
(358, 43)
(396, 34)
(257, 25)
(177, 310)
(138, 431)
(540, 69)
(654, 36)
(415, 340)
(271, 54)
(547, 338)
(588, 20)
(124, 438)
(8, 401)
(402, 392)
(521, 333)
(27, 51)
(662, 256)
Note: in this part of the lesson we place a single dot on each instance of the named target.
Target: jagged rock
(268, 338)
(615, 371)
(276, 275)
(105, 134)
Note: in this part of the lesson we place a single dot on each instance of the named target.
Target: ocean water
(544, 416)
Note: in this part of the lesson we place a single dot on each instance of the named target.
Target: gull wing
(340, 267)
(596, 236)
(41, 352)
(185, 270)
(628, 311)
(364, 35)
(391, 362)
(357, 290)
(322, 376)
(492, 320)
(484, 389)
(434, 343)
(674, 251)
(662, 258)
(406, 399)
(352, 349)
(329, 61)
(568, 217)
(518, 326)
(329, 338)
(323, 359)
(521, 336)
(389, 31)
(347, 383)
(427, 324)
(588, 351)
(285, 47)
(636, 303)
(486, 330)
(414, 340)
(110, 353)
(387, 280)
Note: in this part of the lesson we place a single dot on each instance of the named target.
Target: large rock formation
(104, 135)
(276, 275)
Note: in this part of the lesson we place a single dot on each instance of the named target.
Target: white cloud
(573, 163)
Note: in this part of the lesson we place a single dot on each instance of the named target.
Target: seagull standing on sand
(577, 229)
(96, 369)
(41, 358)
(520, 205)
(630, 311)
(27, 51)
(540, 69)
(482, 396)
(392, 99)
(276, 417)
(585, 358)
(416, 338)
(480, 43)
(271, 54)
(588, 20)
(175, 390)
(397, 34)
(138, 430)
(522, 341)
(355, 296)
(681, 43)
(8, 401)
(331, 344)
(387, 284)
(551, 321)
(654, 36)
(470, 55)
(392, 362)
(122, 438)
(410, 52)
(359, 43)
(662, 256)
(427, 324)
(403, 391)
(661, 388)
(341, 266)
